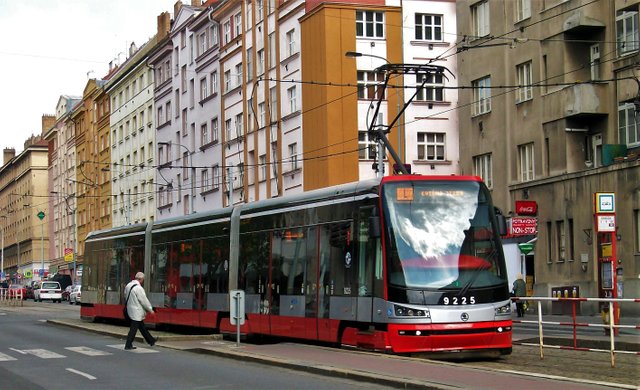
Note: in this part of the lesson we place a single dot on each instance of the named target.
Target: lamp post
(41, 216)
(2, 252)
(381, 152)
(193, 173)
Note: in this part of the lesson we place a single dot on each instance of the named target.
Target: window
(261, 115)
(227, 81)
(291, 42)
(204, 179)
(262, 161)
(370, 85)
(213, 31)
(366, 146)
(627, 31)
(204, 88)
(560, 239)
(259, 9)
(216, 177)
(481, 95)
(215, 135)
(240, 182)
(239, 125)
(167, 112)
(160, 115)
(272, 50)
(480, 19)
(249, 64)
(369, 24)
(431, 146)
(433, 89)
(185, 128)
(202, 43)
(293, 156)
(260, 61)
(238, 74)
(523, 9)
(273, 104)
(214, 82)
(185, 165)
(292, 95)
(525, 154)
(183, 78)
(482, 167)
(226, 30)
(227, 129)
(428, 27)
(237, 23)
(636, 223)
(525, 90)
(204, 134)
(628, 130)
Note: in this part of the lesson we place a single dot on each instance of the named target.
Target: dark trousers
(520, 308)
(133, 329)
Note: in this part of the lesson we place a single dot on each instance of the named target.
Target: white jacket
(138, 304)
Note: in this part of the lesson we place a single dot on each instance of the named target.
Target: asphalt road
(36, 355)
(592, 366)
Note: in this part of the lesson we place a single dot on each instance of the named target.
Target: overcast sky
(49, 46)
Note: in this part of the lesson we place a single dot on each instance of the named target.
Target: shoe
(129, 348)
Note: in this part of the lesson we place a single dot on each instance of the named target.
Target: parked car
(48, 290)
(66, 292)
(17, 291)
(74, 296)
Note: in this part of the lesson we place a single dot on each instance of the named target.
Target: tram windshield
(441, 235)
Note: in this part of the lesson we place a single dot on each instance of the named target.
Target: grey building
(552, 118)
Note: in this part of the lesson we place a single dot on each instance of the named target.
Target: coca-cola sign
(526, 207)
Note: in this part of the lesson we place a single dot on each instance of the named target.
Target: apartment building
(550, 120)
(132, 138)
(61, 178)
(23, 194)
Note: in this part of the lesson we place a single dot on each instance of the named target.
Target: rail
(10, 297)
(611, 328)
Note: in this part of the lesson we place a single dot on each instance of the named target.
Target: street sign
(525, 248)
(236, 306)
(41, 215)
(68, 255)
(524, 226)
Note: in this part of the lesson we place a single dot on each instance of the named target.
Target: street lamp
(193, 173)
(2, 252)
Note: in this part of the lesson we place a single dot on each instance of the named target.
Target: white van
(47, 290)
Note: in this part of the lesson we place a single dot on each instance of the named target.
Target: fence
(11, 297)
(607, 323)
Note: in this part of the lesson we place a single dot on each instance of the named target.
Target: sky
(52, 47)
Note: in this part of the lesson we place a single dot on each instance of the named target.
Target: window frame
(430, 140)
(524, 73)
(526, 162)
(370, 29)
(481, 95)
(480, 19)
(422, 29)
(630, 126)
(483, 168)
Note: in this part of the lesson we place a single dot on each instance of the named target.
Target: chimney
(48, 121)
(164, 25)
(8, 154)
(176, 8)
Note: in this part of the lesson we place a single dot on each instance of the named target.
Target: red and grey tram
(399, 264)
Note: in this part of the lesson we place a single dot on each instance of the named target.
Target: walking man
(519, 290)
(137, 306)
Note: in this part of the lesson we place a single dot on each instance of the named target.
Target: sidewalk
(391, 370)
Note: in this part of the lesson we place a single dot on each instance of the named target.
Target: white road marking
(19, 351)
(88, 351)
(3, 314)
(137, 350)
(44, 354)
(6, 358)
(84, 374)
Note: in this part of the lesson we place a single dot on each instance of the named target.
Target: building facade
(24, 194)
(62, 175)
(550, 119)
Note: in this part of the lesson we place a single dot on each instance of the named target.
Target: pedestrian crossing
(16, 354)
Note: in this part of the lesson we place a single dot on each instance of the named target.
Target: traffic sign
(525, 248)
(524, 226)
(41, 215)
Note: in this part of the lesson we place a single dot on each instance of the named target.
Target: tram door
(292, 303)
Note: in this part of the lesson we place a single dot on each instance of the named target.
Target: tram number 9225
(459, 300)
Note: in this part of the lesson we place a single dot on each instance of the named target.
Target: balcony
(576, 102)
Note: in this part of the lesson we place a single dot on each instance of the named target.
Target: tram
(400, 264)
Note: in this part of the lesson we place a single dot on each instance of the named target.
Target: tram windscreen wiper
(476, 272)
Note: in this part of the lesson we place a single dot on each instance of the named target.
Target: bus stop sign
(41, 215)
(525, 248)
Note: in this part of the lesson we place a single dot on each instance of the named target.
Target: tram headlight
(401, 311)
(503, 310)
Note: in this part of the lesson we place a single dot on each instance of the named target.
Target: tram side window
(293, 268)
(336, 247)
(215, 264)
(369, 258)
(254, 260)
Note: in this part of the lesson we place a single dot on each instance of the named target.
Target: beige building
(23, 195)
(551, 119)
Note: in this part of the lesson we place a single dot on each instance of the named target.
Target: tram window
(369, 257)
(339, 253)
(254, 258)
(215, 265)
